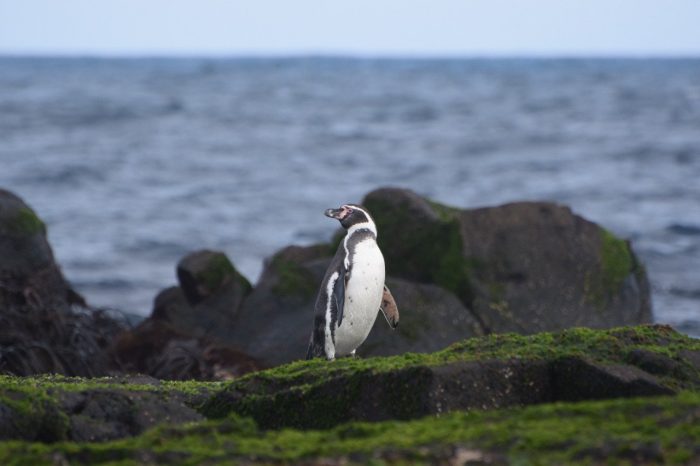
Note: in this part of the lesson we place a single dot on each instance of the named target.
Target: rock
(93, 411)
(46, 325)
(205, 273)
(99, 415)
(28, 271)
(274, 323)
(522, 267)
(431, 318)
(482, 373)
(575, 379)
(60, 420)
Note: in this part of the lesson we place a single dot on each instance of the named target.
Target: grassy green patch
(52, 382)
(651, 430)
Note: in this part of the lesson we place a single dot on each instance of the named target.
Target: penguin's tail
(315, 350)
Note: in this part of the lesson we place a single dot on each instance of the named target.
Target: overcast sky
(363, 27)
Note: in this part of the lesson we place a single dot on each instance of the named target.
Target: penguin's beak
(337, 214)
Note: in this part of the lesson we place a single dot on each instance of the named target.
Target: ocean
(133, 163)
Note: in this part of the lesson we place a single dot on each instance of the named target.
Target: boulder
(46, 325)
(28, 271)
(203, 274)
(489, 372)
(431, 318)
(522, 267)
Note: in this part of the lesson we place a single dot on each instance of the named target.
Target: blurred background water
(133, 163)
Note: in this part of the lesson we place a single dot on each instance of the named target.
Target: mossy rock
(420, 240)
(204, 273)
(56, 408)
(522, 267)
(487, 372)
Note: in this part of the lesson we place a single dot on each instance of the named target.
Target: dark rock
(89, 415)
(693, 357)
(653, 363)
(274, 323)
(575, 379)
(28, 273)
(431, 319)
(523, 267)
(46, 325)
(99, 415)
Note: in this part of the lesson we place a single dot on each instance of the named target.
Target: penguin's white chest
(363, 296)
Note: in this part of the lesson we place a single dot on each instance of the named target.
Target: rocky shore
(524, 338)
(575, 396)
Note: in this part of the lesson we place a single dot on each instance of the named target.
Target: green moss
(616, 263)
(428, 250)
(274, 397)
(293, 279)
(218, 269)
(445, 212)
(24, 223)
(650, 430)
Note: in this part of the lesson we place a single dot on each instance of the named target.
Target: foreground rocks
(628, 385)
(486, 373)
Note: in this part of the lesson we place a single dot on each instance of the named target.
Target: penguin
(352, 291)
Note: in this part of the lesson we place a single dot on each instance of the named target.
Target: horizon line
(348, 55)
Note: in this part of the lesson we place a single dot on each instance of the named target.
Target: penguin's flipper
(339, 294)
(389, 308)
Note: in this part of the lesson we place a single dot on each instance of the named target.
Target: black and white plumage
(352, 291)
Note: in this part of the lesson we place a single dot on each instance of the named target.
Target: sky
(357, 27)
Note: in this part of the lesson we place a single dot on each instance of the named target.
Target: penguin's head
(349, 215)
